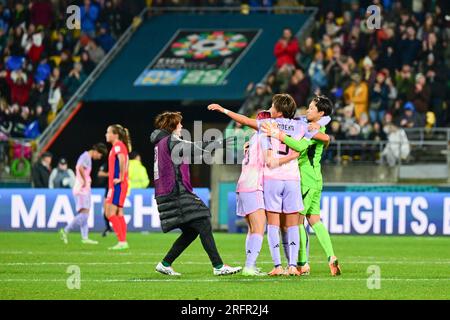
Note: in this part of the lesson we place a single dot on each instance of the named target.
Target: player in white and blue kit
(82, 192)
(282, 193)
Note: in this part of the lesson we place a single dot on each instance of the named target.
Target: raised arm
(246, 121)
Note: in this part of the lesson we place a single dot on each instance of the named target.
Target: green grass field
(34, 266)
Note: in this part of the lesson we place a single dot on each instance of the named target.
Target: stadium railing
(433, 151)
(424, 134)
(427, 145)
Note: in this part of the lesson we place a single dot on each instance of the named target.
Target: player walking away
(102, 180)
(82, 192)
(178, 206)
(119, 137)
(250, 198)
(311, 182)
(282, 194)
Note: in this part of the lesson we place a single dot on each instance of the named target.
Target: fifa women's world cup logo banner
(198, 57)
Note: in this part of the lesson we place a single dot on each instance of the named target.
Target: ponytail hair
(124, 135)
(127, 139)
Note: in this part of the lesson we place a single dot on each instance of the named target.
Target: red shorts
(117, 194)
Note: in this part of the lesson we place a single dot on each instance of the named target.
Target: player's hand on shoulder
(117, 181)
(270, 128)
(313, 126)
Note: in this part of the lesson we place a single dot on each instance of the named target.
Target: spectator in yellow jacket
(357, 94)
(137, 173)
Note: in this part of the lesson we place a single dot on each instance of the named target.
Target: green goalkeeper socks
(324, 238)
(303, 259)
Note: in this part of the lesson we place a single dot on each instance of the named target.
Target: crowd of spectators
(381, 80)
(43, 63)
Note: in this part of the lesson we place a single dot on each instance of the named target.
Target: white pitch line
(359, 262)
(226, 280)
(97, 253)
(316, 258)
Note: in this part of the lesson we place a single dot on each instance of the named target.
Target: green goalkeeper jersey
(309, 160)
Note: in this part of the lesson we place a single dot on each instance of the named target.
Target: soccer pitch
(35, 265)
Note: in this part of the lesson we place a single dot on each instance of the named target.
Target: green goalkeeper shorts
(311, 201)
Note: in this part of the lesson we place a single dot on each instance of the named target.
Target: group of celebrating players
(280, 185)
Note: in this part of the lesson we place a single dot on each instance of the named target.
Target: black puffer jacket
(177, 204)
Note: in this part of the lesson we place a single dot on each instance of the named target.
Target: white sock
(84, 228)
(76, 221)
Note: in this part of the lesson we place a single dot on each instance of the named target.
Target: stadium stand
(43, 63)
(389, 84)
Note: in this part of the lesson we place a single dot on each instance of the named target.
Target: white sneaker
(253, 272)
(88, 241)
(63, 235)
(166, 270)
(226, 270)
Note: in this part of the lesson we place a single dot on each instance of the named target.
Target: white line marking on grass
(56, 263)
(97, 253)
(222, 279)
(316, 258)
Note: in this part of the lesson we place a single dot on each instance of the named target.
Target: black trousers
(105, 218)
(189, 233)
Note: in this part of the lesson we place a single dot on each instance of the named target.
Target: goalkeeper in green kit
(311, 182)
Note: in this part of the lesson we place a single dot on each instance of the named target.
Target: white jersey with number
(251, 178)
